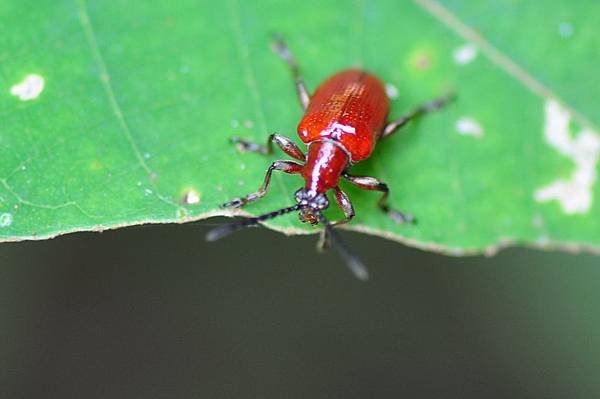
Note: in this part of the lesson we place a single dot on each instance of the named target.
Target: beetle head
(311, 204)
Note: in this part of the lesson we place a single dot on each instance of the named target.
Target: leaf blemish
(565, 29)
(391, 91)
(248, 124)
(468, 126)
(181, 213)
(95, 164)
(574, 194)
(6, 219)
(465, 54)
(420, 59)
(543, 240)
(191, 197)
(29, 89)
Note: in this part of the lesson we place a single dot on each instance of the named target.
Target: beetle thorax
(325, 163)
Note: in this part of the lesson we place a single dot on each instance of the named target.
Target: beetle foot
(244, 145)
(401, 217)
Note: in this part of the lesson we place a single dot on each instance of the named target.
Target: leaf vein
(249, 77)
(497, 57)
(24, 201)
(90, 35)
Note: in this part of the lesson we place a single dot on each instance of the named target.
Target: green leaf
(132, 123)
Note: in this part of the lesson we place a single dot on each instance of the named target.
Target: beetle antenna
(227, 229)
(355, 265)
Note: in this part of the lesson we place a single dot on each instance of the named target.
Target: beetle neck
(325, 163)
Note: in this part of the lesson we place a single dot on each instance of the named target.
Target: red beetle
(343, 121)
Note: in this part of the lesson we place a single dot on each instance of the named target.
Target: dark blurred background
(156, 312)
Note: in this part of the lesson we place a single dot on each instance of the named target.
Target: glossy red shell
(325, 162)
(350, 107)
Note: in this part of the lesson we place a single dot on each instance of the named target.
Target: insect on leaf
(115, 115)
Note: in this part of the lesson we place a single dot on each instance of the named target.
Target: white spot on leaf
(468, 126)
(391, 91)
(29, 89)
(191, 197)
(6, 219)
(465, 54)
(565, 29)
(574, 194)
(543, 240)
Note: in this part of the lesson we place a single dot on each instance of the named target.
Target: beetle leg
(430, 106)
(343, 201)
(323, 244)
(285, 54)
(371, 183)
(283, 166)
(286, 145)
